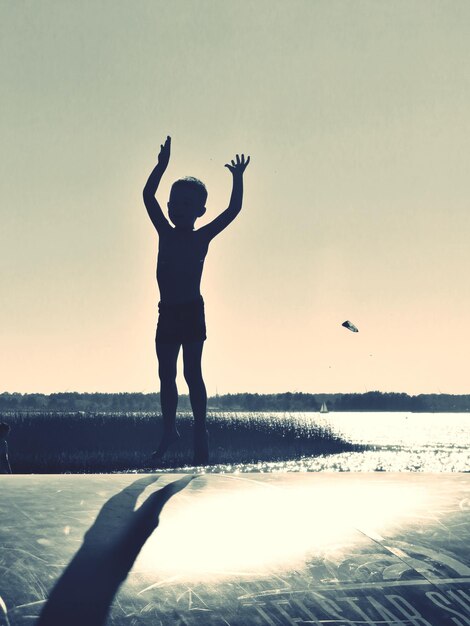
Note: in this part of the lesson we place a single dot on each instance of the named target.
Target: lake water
(425, 442)
(401, 429)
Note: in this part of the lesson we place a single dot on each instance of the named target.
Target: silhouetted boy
(181, 320)
(4, 461)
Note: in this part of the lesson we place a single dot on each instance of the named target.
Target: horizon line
(234, 393)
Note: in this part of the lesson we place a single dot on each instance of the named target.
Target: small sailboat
(323, 408)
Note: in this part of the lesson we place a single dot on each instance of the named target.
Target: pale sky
(356, 117)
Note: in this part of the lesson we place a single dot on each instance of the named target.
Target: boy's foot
(166, 441)
(201, 447)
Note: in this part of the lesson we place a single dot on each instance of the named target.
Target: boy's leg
(167, 354)
(192, 355)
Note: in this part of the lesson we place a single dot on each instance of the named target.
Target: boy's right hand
(164, 156)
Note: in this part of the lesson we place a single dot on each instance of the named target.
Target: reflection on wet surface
(259, 549)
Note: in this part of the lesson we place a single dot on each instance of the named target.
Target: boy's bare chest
(186, 249)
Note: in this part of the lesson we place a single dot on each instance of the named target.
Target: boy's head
(4, 430)
(187, 202)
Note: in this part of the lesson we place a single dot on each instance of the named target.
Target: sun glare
(256, 529)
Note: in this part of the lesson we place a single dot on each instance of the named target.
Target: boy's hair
(192, 183)
(4, 429)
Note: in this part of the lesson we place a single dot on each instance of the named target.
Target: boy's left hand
(239, 166)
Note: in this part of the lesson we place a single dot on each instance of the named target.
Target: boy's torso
(181, 256)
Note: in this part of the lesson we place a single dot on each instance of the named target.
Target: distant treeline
(115, 402)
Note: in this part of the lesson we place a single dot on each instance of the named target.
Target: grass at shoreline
(47, 443)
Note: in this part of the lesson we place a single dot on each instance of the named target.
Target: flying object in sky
(350, 326)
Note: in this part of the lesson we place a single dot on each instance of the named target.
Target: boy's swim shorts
(181, 323)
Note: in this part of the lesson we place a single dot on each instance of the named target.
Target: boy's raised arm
(223, 220)
(153, 208)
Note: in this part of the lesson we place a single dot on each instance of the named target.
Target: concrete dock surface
(242, 549)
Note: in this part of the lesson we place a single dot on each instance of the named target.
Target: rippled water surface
(402, 429)
(424, 442)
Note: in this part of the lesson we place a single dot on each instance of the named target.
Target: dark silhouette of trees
(287, 402)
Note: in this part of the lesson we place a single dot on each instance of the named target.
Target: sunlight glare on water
(399, 442)
(387, 428)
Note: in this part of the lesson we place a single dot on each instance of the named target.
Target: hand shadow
(83, 594)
